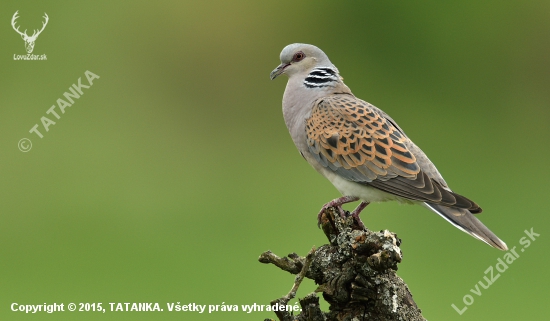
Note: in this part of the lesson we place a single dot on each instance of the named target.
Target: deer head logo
(29, 41)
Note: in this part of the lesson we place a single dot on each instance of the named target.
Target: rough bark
(355, 272)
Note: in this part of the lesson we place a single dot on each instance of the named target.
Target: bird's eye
(298, 56)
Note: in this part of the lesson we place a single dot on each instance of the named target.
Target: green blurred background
(174, 171)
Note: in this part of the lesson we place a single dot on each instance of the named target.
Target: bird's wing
(362, 144)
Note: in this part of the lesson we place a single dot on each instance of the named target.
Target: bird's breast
(297, 107)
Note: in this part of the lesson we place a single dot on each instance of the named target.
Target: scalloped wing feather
(362, 144)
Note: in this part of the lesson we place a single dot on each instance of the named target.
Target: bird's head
(299, 58)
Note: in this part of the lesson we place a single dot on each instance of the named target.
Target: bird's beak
(279, 70)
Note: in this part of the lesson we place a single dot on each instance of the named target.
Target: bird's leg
(338, 204)
(357, 211)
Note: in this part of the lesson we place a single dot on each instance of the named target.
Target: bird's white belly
(364, 192)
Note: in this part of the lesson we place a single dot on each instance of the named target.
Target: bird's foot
(338, 204)
(356, 213)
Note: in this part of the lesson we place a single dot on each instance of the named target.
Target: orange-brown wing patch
(354, 139)
(346, 132)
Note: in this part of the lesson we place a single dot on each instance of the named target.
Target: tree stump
(355, 273)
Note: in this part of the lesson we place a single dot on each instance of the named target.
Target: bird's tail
(467, 222)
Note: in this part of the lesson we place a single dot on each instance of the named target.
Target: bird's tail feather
(467, 222)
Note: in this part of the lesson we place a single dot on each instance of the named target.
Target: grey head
(301, 59)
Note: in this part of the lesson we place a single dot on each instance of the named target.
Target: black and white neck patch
(321, 77)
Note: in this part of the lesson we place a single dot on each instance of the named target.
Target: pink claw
(338, 202)
(357, 211)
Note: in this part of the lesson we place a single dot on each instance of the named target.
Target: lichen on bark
(356, 274)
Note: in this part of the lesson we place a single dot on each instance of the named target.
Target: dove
(360, 149)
